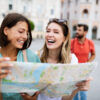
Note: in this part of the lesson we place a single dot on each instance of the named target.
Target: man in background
(84, 50)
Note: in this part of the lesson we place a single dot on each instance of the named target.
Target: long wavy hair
(65, 53)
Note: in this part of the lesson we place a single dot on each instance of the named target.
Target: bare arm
(4, 73)
(81, 86)
(70, 97)
(28, 97)
(92, 57)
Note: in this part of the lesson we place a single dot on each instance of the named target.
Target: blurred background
(75, 11)
(39, 12)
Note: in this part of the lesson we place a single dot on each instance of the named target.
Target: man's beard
(79, 36)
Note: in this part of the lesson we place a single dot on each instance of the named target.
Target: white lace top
(41, 96)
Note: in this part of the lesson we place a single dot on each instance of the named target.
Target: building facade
(83, 11)
(38, 11)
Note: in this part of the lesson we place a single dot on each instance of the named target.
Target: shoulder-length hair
(9, 21)
(65, 54)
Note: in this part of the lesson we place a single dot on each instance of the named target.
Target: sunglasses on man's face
(58, 20)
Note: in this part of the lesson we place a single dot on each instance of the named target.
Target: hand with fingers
(28, 97)
(4, 67)
(84, 85)
(81, 86)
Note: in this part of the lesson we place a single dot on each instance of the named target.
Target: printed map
(53, 80)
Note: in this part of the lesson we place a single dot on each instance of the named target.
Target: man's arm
(92, 51)
(81, 86)
(92, 57)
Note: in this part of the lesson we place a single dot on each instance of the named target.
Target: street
(94, 92)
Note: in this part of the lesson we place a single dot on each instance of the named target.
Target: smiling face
(54, 36)
(17, 35)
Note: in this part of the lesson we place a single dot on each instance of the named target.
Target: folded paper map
(53, 80)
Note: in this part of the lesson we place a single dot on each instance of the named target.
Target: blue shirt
(31, 57)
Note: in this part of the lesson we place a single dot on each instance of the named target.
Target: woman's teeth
(21, 41)
(51, 41)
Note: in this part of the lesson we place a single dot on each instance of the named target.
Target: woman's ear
(6, 30)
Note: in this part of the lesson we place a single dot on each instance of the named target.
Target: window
(96, 14)
(40, 26)
(24, 9)
(74, 28)
(52, 11)
(69, 1)
(39, 10)
(10, 1)
(75, 13)
(74, 31)
(76, 2)
(10, 6)
(68, 15)
(3, 15)
(94, 32)
(97, 1)
(85, 13)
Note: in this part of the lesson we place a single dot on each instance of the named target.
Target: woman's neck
(9, 51)
(53, 56)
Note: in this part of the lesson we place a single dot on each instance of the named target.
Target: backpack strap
(24, 55)
(89, 44)
(73, 45)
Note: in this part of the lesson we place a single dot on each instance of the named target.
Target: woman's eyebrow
(21, 28)
(55, 29)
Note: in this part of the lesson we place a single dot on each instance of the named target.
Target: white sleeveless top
(41, 96)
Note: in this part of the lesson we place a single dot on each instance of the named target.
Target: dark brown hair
(9, 21)
(84, 26)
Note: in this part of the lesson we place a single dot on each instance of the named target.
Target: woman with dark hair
(57, 50)
(15, 38)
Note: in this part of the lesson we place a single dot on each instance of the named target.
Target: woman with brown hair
(15, 38)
